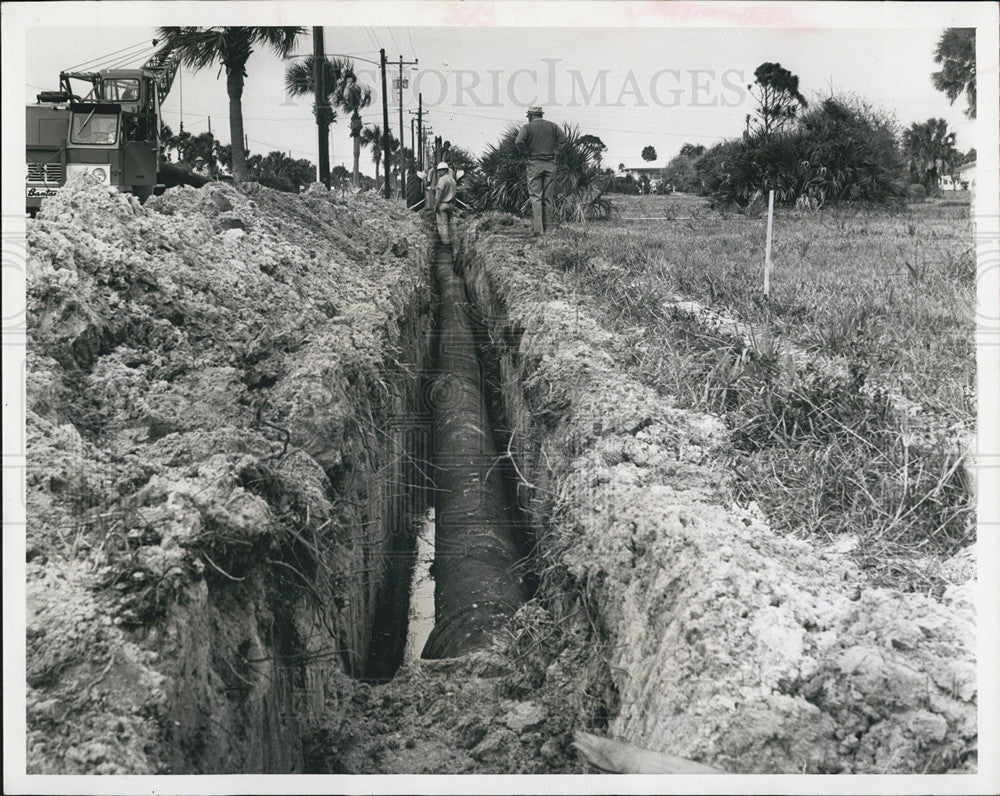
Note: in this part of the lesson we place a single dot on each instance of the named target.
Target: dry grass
(827, 450)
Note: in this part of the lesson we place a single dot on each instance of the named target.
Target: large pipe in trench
(476, 584)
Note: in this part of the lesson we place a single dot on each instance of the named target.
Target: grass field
(861, 437)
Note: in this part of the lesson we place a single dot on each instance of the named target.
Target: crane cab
(103, 123)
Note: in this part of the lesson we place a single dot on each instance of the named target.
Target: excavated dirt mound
(725, 643)
(209, 375)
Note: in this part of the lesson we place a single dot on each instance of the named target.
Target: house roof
(967, 166)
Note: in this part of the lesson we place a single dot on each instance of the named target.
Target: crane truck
(105, 123)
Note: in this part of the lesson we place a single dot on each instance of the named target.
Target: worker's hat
(443, 165)
(199, 159)
(536, 110)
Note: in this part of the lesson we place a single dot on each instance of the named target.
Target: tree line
(842, 148)
(230, 48)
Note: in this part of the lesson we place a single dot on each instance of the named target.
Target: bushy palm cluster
(930, 151)
(277, 170)
(843, 150)
(500, 182)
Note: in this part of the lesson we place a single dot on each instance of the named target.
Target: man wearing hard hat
(444, 201)
(541, 141)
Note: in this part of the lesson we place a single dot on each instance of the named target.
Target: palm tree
(354, 98)
(171, 142)
(930, 151)
(342, 90)
(372, 136)
(956, 52)
(201, 146)
(231, 47)
(224, 157)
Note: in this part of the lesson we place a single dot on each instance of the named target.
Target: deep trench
(452, 458)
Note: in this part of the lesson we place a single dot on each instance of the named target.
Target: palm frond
(230, 46)
(499, 182)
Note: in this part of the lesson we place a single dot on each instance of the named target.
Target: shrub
(682, 171)
(499, 182)
(711, 168)
(842, 150)
(278, 171)
(624, 185)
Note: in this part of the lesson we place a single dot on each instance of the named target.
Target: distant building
(652, 173)
(967, 175)
(962, 178)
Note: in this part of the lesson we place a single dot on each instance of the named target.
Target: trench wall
(215, 380)
(724, 643)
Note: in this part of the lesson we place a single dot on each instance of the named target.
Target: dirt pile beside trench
(721, 641)
(208, 379)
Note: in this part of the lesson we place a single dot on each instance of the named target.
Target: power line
(278, 147)
(376, 115)
(412, 48)
(588, 126)
(82, 64)
(141, 55)
(245, 118)
(391, 36)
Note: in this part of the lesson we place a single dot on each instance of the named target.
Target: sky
(632, 87)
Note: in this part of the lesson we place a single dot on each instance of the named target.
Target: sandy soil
(207, 374)
(197, 370)
(727, 644)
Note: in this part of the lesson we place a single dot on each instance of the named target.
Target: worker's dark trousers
(444, 222)
(541, 176)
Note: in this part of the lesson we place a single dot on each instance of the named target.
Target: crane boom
(163, 65)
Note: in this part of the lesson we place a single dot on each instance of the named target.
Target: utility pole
(322, 106)
(385, 124)
(413, 139)
(430, 184)
(180, 95)
(420, 126)
(402, 134)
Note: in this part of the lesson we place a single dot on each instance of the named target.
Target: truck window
(121, 89)
(94, 128)
(137, 127)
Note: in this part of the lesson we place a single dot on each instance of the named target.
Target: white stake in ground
(767, 248)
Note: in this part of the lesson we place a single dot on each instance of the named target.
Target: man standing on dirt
(541, 140)
(444, 201)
